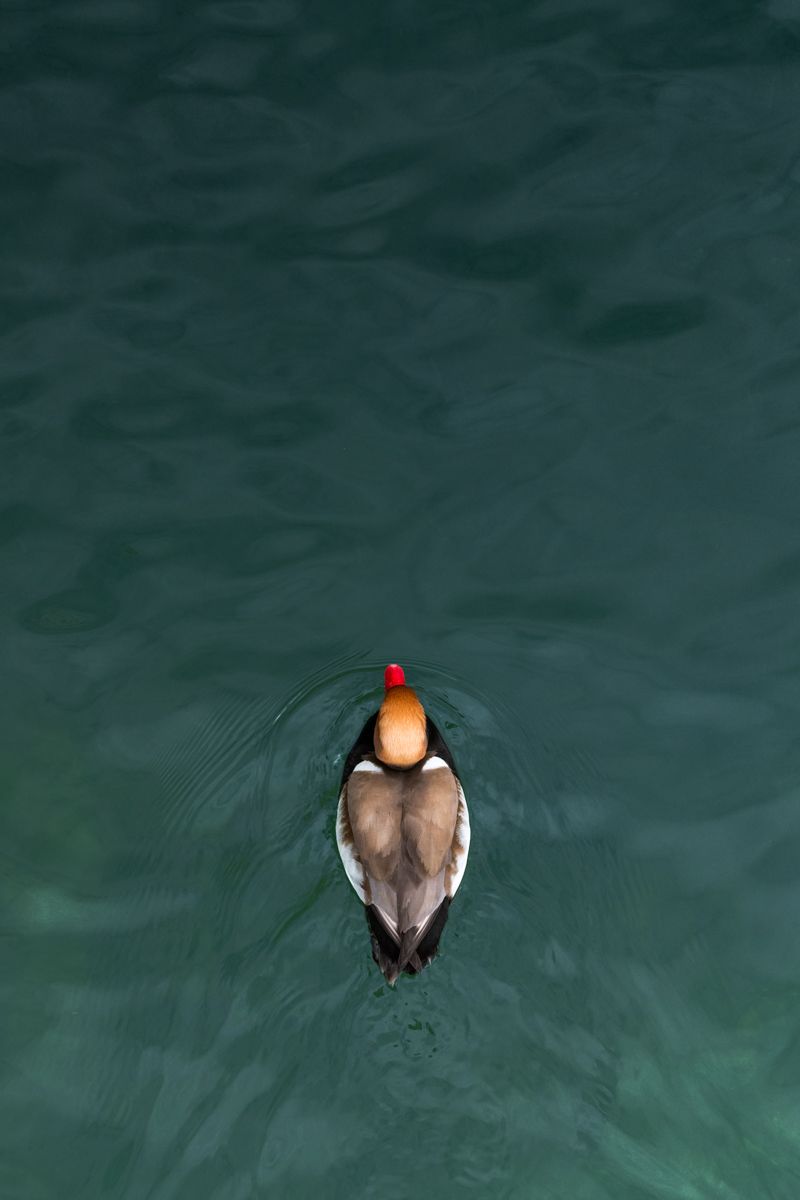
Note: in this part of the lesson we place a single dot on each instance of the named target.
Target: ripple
(75, 610)
(647, 320)
(138, 331)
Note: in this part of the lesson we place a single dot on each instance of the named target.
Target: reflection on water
(468, 339)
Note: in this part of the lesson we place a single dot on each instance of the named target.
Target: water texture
(466, 336)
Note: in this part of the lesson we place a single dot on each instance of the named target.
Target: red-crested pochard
(402, 829)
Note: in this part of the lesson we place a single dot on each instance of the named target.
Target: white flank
(434, 763)
(368, 767)
(463, 833)
(347, 852)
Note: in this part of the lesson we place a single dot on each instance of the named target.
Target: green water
(461, 335)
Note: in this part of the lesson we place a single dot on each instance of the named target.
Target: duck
(402, 829)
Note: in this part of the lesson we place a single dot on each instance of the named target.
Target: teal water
(465, 336)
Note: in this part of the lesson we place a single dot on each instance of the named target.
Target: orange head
(401, 737)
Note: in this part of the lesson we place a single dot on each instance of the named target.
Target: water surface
(465, 337)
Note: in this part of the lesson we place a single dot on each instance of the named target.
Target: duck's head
(401, 737)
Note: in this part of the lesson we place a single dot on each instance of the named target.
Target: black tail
(387, 953)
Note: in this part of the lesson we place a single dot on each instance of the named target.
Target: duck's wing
(359, 757)
(429, 824)
(440, 753)
(369, 835)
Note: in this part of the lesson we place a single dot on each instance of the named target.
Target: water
(462, 337)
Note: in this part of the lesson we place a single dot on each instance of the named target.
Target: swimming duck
(402, 828)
